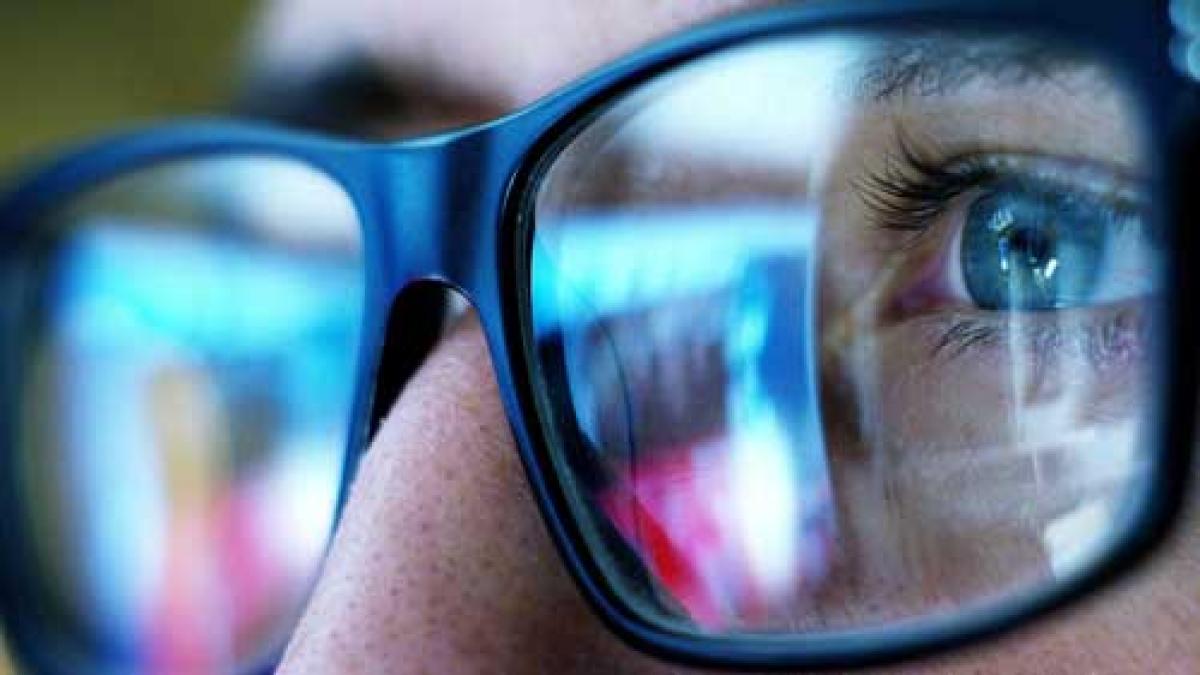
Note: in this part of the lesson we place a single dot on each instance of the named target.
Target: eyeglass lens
(189, 366)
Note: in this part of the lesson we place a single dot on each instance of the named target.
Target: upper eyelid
(916, 183)
(1078, 176)
(920, 179)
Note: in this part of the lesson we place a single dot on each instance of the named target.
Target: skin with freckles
(441, 562)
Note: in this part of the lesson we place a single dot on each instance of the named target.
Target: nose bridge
(443, 198)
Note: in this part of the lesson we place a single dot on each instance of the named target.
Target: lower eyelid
(1104, 338)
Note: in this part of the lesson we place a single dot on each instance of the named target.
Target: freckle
(448, 473)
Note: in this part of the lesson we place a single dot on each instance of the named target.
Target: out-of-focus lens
(843, 330)
(188, 356)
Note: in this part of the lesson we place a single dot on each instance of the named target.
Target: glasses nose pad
(416, 321)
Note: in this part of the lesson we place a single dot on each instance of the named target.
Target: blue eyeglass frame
(455, 209)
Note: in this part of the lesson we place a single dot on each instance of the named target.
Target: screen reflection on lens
(849, 329)
(190, 384)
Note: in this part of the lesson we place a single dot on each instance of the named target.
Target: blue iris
(1035, 247)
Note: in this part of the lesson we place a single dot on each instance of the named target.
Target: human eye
(1024, 244)
(1028, 243)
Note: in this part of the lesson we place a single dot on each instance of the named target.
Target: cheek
(968, 471)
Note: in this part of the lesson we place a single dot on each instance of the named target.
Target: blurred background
(76, 67)
(72, 68)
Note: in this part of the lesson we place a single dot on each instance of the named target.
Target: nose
(441, 563)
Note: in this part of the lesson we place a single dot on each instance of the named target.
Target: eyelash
(1110, 341)
(913, 187)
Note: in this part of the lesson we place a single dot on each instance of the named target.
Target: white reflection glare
(1095, 461)
(282, 200)
(298, 502)
(691, 112)
(779, 480)
(767, 503)
(1073, 540)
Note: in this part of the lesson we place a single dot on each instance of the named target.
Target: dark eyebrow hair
(338, 98)
(358, 97)
(933, 64)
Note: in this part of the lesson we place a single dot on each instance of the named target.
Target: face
(441, 562)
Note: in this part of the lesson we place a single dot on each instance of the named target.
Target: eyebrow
(934, 65)
(337, 98)
(354, 96)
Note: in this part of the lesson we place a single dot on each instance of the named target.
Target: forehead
(507, 52)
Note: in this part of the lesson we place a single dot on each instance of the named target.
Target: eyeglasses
(828, 335)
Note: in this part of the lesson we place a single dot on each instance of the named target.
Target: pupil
(1027, 261)
(1036, 247)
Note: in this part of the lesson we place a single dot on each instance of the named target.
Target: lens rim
(1122, 35)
